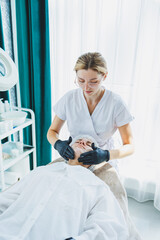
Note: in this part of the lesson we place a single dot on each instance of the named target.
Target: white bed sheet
(60, 201)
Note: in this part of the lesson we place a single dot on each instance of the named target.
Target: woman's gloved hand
(96, 156)
(70, 238)
(64, 149)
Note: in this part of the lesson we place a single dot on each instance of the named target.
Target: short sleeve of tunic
(122, 115)
(60, 108)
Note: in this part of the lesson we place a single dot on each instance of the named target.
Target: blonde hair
(94, 61)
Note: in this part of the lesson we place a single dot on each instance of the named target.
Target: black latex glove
(70, 238)
(94, 157)
(64, 149)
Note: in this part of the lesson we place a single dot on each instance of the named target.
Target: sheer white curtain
(127, 33)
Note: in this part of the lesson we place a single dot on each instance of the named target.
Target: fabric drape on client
(34, 69)
(109, 175)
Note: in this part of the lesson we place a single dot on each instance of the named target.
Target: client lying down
(61, 201)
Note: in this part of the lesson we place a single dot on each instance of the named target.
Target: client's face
(79, 147)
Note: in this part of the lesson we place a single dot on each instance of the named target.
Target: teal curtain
(1, 31)
(3, 95)
(34, 69)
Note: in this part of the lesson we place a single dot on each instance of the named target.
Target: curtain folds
(34, 69)
(3, 95)
(1, 31)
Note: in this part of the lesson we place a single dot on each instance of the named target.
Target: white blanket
(60, 201)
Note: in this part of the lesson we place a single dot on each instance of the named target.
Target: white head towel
(84, 136)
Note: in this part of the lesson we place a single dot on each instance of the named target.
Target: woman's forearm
(122, 152)
(53, 131)
(52, 136)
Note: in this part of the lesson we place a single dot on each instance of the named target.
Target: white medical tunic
(110, 113)
(59, 201)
